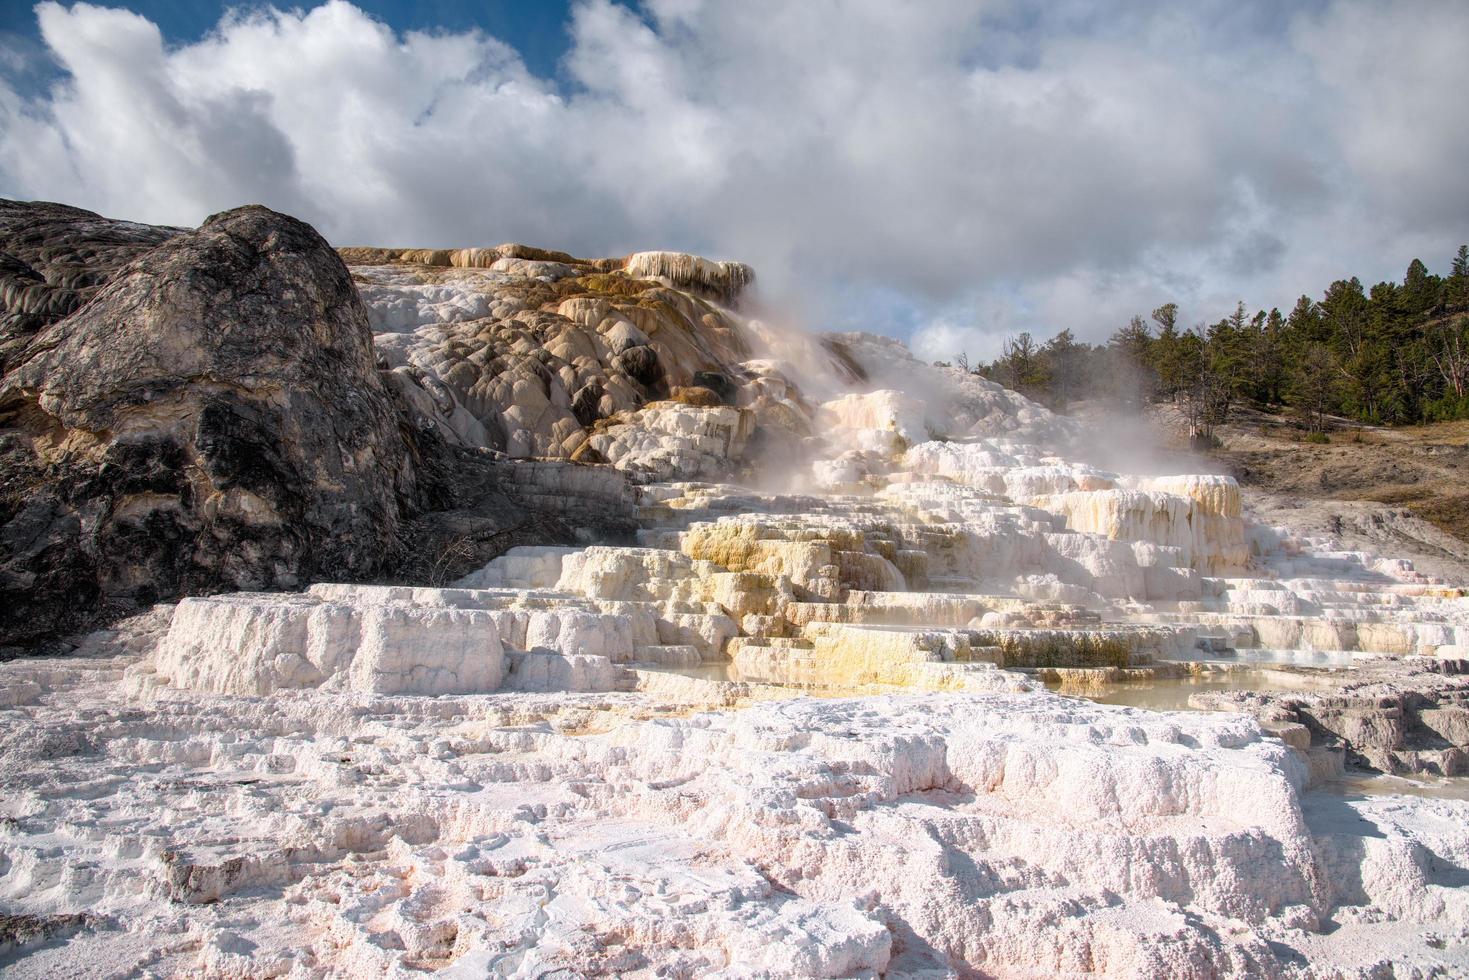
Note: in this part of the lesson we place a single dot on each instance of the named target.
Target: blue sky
(946, 172)
(535, 28)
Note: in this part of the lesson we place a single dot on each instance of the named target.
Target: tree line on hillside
(1395, 354)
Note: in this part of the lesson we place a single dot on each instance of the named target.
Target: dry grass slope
(1423, 468)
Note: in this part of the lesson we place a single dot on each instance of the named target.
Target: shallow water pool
(1173, 693)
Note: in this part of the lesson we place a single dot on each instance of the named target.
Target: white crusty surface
(794, 729)
(253, 643)
(325, 834)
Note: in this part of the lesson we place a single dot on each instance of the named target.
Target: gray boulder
(184, 412)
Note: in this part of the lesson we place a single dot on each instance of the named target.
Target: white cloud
(1017, 166)
(1398, 78)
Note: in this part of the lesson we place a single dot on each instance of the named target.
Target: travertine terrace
(804, 721)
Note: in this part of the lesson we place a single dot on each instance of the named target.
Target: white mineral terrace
(799, 730)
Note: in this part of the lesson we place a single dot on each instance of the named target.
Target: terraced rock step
(792, 723)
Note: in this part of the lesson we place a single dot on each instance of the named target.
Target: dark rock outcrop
(54, 258)
(185, 412)
(482, 505)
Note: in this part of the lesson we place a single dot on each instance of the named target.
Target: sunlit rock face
(574, 362)
(242, 644)
(793, 723)
(184, 411)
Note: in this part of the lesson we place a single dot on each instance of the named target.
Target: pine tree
(1168, 359)
(1312, 383)
(1020, 367)
(1129, 364)
(1456, 292)
(1237, 319)
(1360, 352)
(1165, 316)
(1420, 290)
(1203, 392)
(1397, 353)
(1226, 354)
(1062, 358)
(1304, 325)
